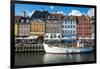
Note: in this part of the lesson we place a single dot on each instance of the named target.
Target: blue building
(69, 29)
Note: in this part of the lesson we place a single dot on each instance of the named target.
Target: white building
(69, 28)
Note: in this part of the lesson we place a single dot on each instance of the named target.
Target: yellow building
(16, 25)
(38, 27)
(16, 29)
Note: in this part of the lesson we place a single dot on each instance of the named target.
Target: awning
(31, 37)
(19, 38)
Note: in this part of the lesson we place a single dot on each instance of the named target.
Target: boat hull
(54, 49)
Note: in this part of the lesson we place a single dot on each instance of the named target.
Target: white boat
(54, 49)
(57, 48)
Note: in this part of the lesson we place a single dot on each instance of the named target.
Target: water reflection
(66, 58)
(36, 58)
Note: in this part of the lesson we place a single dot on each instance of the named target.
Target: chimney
(24, 13)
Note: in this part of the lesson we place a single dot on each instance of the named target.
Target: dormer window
(54, 17)
(51, 17)
(27, 21)
(22, 20)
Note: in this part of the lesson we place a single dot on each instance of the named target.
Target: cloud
(90, 12)
(51, 7)
(75, 12)
(62, 12)
(59, 12)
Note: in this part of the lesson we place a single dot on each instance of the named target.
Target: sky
(66, 10)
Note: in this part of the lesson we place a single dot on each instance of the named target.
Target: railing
(29, 47)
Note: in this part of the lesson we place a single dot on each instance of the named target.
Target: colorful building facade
(16, 25)
(53, 25)
(69, 24)
(37, 27)
(24, 26)
(84, 27)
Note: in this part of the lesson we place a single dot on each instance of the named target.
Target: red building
(84, 27)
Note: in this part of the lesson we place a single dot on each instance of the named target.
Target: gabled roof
(70, 17)
(55, 16)
(37, 21)
(39, 15)
(83, 17)
(25, 19)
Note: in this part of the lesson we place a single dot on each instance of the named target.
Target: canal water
(38, 58)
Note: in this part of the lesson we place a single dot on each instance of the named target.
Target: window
(62, 31)
(58, 36)
(46, 36)
(73, 22)
(30, 47)
(62, 26)
(22, 20)
(36, 47)
(27, 21)
(17, 48)
(53, 36)
(21, 31)
(33, 47)
(73, 31)
(65, 31)
(50, 17)
(64, 22)
(68, 26)
(67, 21)
(70, 22)
(73, 26)
(20, 48)
(68, 31)
(65, 26)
